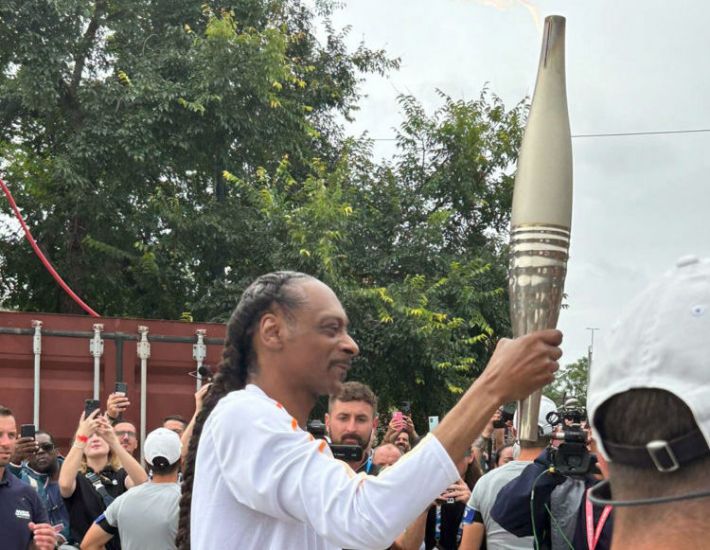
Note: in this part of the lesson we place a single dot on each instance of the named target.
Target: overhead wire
(617, 134)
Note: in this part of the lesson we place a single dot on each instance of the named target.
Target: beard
(361, 442)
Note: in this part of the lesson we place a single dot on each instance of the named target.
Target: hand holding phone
(90, 405)
(118, 401)
(28, 430)
(397, 420)
(26, 445)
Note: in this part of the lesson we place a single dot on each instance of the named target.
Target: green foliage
(166, 153)
(120, 118)
(571, 381)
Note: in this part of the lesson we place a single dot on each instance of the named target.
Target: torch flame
(503, 5)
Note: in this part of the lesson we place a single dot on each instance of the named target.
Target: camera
(571, 457)
(348, 453)
(507, 413)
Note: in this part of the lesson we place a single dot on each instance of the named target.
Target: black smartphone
(90, 405)
(27, 430)
(121, 387)
(406, 408)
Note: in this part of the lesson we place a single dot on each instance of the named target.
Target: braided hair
(238, 362)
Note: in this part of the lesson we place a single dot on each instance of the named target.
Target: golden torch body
(542, 208)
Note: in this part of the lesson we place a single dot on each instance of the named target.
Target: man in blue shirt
(36, 461)
(23, 518)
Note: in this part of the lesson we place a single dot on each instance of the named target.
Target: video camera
(348, 453)
(571, 457)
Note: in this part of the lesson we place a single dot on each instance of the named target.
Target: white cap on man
(162, 444)
(661, 341)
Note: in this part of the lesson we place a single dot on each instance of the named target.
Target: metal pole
(96, 348)
(37, 349)
(590, 349)
(143, 350)
(199, 352)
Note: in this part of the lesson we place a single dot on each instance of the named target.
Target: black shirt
(86, 504)
(19, 505)
(447, 537)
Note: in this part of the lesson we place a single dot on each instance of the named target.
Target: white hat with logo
(661, 341)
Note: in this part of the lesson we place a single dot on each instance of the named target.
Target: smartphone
(90, 405)
(433, 422)
(397, 417)
(27, 430)
(121, 387)
(406, 407)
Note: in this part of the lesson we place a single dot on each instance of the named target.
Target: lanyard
(368, 465)
(593, 534)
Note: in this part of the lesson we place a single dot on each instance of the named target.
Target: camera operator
(650, 411)
(553, 507)
(351, 419)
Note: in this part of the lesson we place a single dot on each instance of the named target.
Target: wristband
(82, 439)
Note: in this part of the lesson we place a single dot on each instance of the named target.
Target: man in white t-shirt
(259, 480)
(479, 526)
(147, 515)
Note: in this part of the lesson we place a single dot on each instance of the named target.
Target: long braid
(238, 361)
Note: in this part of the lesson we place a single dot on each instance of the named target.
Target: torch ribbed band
(536, 247)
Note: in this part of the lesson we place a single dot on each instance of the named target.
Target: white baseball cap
(661, 341)
(162, 443)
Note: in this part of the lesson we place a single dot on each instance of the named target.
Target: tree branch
(87, 42)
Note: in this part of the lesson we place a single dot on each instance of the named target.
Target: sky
(641, 201)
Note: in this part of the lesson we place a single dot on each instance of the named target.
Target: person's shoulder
(16, 484)
(21, 489)
(505, 472)
(235, 400)
(166, 490)
(248, 405)
(153, 487)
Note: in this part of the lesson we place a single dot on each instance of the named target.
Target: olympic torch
(542, 209)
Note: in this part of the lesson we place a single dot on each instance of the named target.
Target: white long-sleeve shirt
(261, 482)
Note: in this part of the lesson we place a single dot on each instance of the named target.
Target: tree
(120, 119)
(571, 381)
(401, 247)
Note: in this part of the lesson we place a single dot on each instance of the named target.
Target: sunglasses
(46, 447)
(123, 433)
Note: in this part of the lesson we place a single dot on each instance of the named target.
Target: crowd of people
(245, 472)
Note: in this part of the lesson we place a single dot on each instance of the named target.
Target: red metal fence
(66, 367)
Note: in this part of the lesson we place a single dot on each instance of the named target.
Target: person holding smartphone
(96, 470)
(36, 461)
(23, 518)
(400, 431)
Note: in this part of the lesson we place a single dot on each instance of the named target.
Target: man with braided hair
(258, 480)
